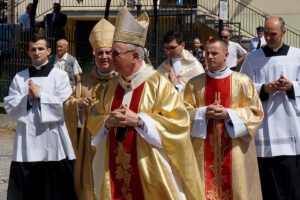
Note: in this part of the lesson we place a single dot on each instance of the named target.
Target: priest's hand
(172, 76)
(116, 118)
(131, 118)
(30, 95)
(86, 102)
(33, 90)
(283, 84)
(216, 111)
(122, 117)
(270, 87)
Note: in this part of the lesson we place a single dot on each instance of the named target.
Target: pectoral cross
(218, 97)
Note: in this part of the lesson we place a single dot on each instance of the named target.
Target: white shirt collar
(104, 74)
(62, 58)
(276, 50)
(221, 74)
(136, 73)
(39, 67)
(176, 65)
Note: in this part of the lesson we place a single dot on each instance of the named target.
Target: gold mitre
(131, 30)
(102, 34)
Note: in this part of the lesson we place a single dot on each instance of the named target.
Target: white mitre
(131, 30)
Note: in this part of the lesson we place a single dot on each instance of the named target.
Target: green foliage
(87, 68)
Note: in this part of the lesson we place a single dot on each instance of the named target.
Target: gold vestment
(162, 103)
(246, 104)
(190, 67)
(82, 143)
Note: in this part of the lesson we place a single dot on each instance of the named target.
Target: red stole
(124, 172)
(218, 165)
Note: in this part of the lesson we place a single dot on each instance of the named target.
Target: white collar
(176, 59)
(276, 50)
(39, 67)
(221, 74)
(62, 58)
(136, 73)
(104, 74)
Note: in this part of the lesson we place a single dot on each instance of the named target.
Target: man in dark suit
(56, 21)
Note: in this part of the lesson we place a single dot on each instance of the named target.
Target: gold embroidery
(100, 86)
(131, 30)
(219, 148)
(123, 171)
(130, 37)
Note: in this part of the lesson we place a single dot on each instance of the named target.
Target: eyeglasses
(170, 48)
(224, 37)
(101, 53)
(118, 53)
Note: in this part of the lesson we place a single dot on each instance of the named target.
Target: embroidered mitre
(102, 34)
(131, 30)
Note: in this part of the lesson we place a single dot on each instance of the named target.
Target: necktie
(259, 43)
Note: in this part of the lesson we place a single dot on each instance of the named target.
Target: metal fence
(14, 42)
(14, 47)
(3, 11)
(249, 17)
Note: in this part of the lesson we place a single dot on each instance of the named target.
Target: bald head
(225, 35)
(275, 20)
(274, 32)
(62, 46)
(63, 41)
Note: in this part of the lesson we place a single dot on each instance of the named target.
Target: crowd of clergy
(194, 129)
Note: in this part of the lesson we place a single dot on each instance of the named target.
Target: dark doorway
(84, 50)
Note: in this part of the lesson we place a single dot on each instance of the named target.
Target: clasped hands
(172, 76)
(282, 84)
(33, 90)
(216, 111)
(122, 117)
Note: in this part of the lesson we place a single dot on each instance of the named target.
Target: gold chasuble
(190, 67)
(228, 166)
(83, 178)
(134, 169)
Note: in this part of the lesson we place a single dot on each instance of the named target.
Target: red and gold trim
(218, 155)
(123, 164)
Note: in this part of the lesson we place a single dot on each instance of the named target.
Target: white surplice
(41, 134)
(279, 133)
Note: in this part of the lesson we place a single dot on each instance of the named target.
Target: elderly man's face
(101, 58)
(122, 59)
(61, 48)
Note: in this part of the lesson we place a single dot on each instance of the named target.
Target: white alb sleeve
(234, 125)
(199, 126)
(149, 132)
(100, 136)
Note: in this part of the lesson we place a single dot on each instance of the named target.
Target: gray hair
(282, 23)
(138, 48)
